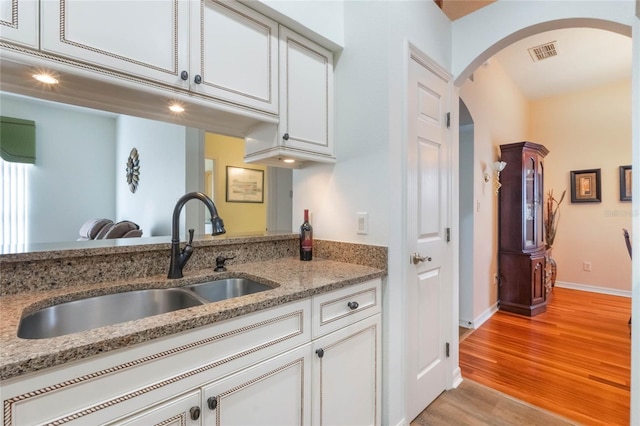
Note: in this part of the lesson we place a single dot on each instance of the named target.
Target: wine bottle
(306, 238)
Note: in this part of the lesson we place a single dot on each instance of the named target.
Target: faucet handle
(191, 231)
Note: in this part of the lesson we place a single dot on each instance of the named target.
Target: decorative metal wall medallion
(133, 170)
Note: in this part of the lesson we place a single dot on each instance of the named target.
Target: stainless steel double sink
(99, 311)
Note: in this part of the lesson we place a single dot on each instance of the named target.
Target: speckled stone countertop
(292, 280)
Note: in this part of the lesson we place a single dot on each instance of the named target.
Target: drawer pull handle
(320, 352)
(197, 79)
(212, 403)
(184, 75)
(194, 412)
(353, 305)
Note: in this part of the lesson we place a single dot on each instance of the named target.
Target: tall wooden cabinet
(521, 257)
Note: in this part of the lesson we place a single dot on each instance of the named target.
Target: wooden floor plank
(473, 404)
(573, 360)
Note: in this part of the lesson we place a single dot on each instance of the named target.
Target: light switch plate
(362, 223)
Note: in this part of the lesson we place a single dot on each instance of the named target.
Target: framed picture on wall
(245, 185)
(625, 183)
(585, 186)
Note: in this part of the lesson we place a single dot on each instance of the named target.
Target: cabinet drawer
(340, 308)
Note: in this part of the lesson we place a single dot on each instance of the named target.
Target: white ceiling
(586, 58)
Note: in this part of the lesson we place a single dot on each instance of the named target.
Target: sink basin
(99, 311)
(214, 291)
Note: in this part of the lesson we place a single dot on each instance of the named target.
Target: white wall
(321, 21)
(635, 279)
(72, 180)
(369, 175)
(501, 115)
(467, 216)
(161, 149)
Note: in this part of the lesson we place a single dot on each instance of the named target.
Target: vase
(554, 270)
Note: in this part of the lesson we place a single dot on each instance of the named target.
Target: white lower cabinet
(264, 368)
(181, 411)
(346, 375)
(276, 392)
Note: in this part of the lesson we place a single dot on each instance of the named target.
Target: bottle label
(307, 241)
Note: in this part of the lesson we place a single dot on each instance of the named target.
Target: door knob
(416, 258)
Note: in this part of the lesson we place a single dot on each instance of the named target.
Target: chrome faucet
(179, 258)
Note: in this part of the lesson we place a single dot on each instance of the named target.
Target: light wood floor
(573, 360)
(473, 404)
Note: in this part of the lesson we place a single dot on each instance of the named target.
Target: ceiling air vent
(543, 51)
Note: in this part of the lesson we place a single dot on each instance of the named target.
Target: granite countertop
(292, 280)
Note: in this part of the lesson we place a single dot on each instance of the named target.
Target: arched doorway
(486, 47)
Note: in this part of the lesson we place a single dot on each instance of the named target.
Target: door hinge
(446, 349)
(448, 234)
(448, 120)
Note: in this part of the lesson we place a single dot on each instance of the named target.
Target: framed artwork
(625, 183)
(245, 185)
(585, 186)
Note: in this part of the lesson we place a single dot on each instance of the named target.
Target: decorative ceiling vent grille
(543, 51)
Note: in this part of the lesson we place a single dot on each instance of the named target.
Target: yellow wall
(239, 218)
(590, 129)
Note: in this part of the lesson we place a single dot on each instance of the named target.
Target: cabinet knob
(197, 79)
(212, 403)
(285, 136)
(320, 352)
(194, 412)
(353, 305)
(184, 75)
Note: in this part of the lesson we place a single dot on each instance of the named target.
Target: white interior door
(429, 277)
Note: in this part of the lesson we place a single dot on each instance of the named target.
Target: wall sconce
(497, 167)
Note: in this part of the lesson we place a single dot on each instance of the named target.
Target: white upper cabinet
(19, 22)
(306, 80)
(234, 50)
(305, 131)
(218, 49)
(140, 38)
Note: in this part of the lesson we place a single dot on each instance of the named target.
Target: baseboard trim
(594, 289)
(457, 378)
(483, 317)
(465, 323)
(480, 319)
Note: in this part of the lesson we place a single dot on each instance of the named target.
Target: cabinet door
(141, 38)
(538, 279)
(346, 375)
(530, 208)
(234, 51)
(275, 393)
(19, 22)
(181, 411)
(306, 83)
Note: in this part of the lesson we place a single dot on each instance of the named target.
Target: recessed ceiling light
(177, 108)
(45, 78)
(289, 160)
